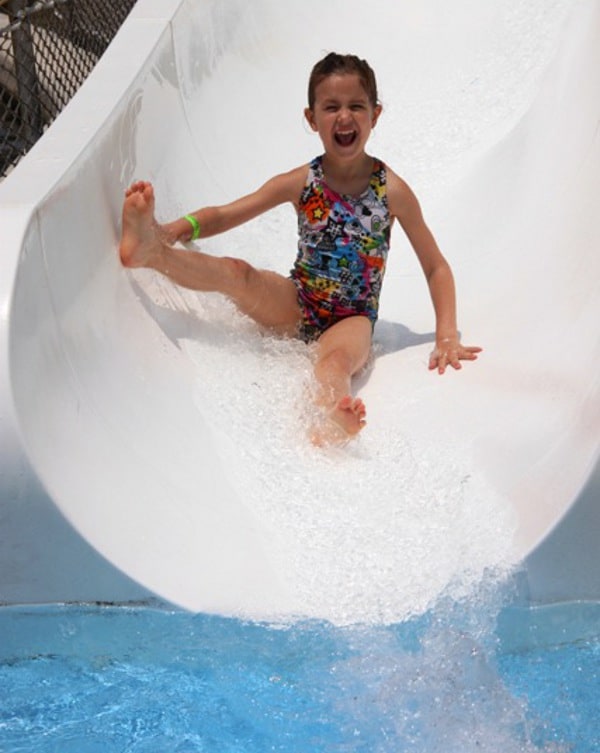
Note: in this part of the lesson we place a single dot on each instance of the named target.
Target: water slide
(152, 442)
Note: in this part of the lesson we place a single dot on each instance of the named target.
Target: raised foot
(140, 240)
(341, 424)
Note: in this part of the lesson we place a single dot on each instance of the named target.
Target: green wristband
(195, 226)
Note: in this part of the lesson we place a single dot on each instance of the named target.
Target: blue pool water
(463, 677)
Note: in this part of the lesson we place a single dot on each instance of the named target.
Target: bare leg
(342, 351)
(265, 296)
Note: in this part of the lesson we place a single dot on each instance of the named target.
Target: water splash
(371, 532)
(143, 679)
(432, 685)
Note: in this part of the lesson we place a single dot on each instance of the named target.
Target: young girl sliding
(346, 202)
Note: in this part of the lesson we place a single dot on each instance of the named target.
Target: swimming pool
(99, 678)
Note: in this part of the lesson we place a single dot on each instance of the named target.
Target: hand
(449, 351)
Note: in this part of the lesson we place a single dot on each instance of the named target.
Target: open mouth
(345, 138)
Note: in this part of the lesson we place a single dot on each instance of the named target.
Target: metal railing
(47, 50)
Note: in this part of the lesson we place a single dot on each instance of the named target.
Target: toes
(142, 187)
(345, 403)
(355, 406)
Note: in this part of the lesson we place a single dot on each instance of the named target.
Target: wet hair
(343, 64)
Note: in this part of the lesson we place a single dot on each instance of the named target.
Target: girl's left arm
(448, 350)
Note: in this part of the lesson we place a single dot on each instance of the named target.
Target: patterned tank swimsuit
(343, 242)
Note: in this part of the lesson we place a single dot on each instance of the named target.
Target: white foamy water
(371, 532)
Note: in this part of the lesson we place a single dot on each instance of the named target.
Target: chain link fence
(47, 49)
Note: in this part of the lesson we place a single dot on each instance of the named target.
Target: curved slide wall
(140, 454)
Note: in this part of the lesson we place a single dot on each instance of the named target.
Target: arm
(219, 219)
(405, 207)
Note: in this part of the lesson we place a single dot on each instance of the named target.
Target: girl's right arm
(214, 220)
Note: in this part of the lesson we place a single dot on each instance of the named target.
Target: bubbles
(370, 532)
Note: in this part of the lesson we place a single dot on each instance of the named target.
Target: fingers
(442, 360)
(469, 351)
(442, 357)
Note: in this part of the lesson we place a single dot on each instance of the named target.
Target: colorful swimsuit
(343, 243)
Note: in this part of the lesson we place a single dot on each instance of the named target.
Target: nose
(344, 115)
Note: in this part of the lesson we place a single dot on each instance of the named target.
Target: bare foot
(140, 239)
(341, 424)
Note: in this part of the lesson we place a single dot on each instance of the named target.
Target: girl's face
(342, 115)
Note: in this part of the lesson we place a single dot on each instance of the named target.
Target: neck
(351, 168)
(350, 177)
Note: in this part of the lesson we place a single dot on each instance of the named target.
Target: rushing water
(109, 679)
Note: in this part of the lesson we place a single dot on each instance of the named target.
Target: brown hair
(335, 63)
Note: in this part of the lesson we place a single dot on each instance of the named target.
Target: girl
(346, 202)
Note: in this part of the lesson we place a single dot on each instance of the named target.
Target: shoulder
(289, 185)
(402, 201)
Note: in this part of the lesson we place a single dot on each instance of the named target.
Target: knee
(238, 272)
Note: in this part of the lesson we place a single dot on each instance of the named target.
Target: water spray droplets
(373, 531)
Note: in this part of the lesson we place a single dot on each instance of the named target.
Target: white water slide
(152, 443)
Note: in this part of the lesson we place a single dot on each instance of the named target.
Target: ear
(310, 118)
(376, 113)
